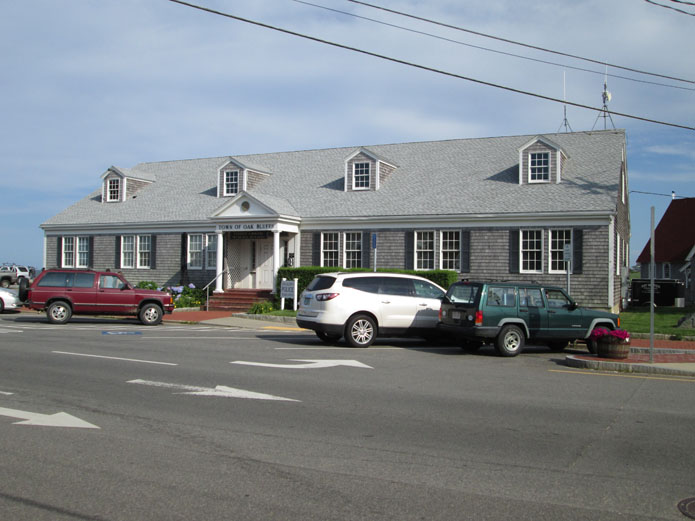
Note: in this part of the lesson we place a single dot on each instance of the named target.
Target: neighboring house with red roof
(674, 246)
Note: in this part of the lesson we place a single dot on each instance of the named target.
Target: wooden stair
(237, 300)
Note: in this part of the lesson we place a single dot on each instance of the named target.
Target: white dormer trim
(105, 185)
(378, 161)
(244, 205)
(560, 156)
(230, 166)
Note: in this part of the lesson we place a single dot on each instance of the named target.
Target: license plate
(456, 315)
(307, 301)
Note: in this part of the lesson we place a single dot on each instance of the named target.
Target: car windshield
(463, 293)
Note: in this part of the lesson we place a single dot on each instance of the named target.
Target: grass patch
(636, 320)
(283, 313)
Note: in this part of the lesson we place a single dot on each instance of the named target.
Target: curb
(267, 318)
(625, 367)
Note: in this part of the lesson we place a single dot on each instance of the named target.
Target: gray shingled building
(495, 208)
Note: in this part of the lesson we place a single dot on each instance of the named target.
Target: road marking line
(113, 358)
(218, 391)
(643, 377)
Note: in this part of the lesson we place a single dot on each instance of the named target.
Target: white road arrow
(59, 419)
(219, 391)
(310, 364)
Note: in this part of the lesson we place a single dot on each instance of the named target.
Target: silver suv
(361, 306)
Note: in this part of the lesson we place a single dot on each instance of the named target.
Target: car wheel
(556, 347)
(151, 314)
(327, 338)
(592, 345)
(4, 283)
(59, 312)
(360, 331)
(23, 292)
(510, 341)
(2, 306)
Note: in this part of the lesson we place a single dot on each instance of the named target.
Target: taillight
(618, 321)
(478, 318)
(321, 297)
(440, 313)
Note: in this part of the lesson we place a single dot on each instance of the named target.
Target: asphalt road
(183, 427)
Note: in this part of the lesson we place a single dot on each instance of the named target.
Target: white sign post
(288, 289)
(567, 255)
(374, 248)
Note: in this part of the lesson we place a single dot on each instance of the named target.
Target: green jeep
(511, 313)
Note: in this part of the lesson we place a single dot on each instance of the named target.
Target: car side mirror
(572, 306)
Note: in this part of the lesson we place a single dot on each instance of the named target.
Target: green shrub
(147, 284)
(187, 296)
(261, 308)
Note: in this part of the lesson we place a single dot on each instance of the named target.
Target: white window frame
(82, 252)
(330, 238)
(554, 250)
(536, 170)
(197, 253)
(348, 240)
(211, 251)
(133, 248)
(420, 264)
(68, 252)
(522, 250)
(228, 184)
(115, 190)
(362, 175)
(128, 251)
(144, 247)
(445, 248)
(77, 255)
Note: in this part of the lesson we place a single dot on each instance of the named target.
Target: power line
(458, 42)
(418, 66)
(513, 42)
(681, 11)
(672, 195)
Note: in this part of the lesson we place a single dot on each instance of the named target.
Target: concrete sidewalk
(671, 357)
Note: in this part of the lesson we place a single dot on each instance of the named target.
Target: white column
(220, 266)
(276, 257)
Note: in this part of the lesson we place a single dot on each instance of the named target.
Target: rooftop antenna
(605, 113)
(565, 123)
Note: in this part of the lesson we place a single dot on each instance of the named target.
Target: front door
(264, 269)
(563, 320)
(250, 263)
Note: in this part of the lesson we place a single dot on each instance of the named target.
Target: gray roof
(461, 176)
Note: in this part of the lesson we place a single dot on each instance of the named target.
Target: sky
(87, 84)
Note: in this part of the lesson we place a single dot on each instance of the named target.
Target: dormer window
(113, 191)
(539, 167)
(361, 176)
(231, 182)
(541, 161)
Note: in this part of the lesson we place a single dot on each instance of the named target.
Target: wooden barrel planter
(611, 347)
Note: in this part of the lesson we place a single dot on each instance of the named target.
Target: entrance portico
(253, 242)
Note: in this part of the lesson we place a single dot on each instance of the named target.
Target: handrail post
(207, 288)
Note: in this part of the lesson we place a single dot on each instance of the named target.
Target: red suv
(63, 293)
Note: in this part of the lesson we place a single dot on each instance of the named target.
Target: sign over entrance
(247, 227)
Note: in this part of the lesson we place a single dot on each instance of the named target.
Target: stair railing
(207, 287)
